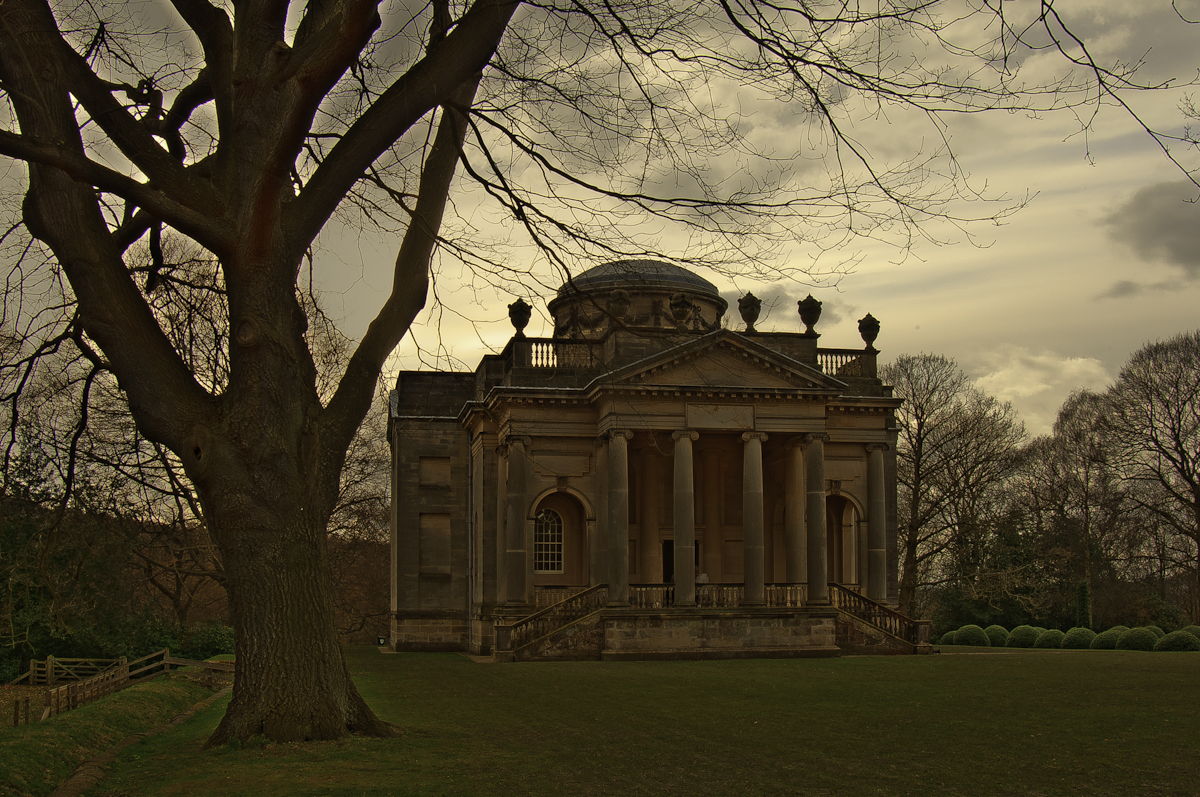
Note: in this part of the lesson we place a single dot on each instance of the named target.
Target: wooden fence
(53, 670)
(113, 679)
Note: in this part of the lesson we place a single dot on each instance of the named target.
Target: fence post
(50, 669)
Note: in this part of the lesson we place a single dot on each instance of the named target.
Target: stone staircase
(573, 628)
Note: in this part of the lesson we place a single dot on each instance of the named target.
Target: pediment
(726, 360)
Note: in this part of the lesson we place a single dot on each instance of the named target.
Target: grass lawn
(965, 722)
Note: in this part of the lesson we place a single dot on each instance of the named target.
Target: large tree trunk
(292, 683)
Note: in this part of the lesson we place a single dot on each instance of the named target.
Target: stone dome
(637, 275)
(635, 294)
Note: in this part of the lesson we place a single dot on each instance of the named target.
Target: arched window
(548, 542)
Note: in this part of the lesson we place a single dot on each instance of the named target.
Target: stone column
(618, 518)
(876, 524)
(598, 564)
(752, 519)
(793, 514)
(519, 590)
(685, 520)
(818, 566)
(650, 562)
(712, 551)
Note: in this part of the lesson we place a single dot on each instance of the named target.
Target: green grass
(35, 759)
(1005, 722)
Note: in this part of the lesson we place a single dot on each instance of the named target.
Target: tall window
(548, 542)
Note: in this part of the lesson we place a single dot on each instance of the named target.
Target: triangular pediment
(725, 359)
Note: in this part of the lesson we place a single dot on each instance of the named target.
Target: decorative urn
(519, 313)
(810, 313)
(750, 306)
(868, 327)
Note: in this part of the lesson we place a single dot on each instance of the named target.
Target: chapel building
(648, 484)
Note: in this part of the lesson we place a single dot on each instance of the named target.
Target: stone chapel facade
(648, 484)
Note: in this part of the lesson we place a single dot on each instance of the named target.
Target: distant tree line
(1094, 525)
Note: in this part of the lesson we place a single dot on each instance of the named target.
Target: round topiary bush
(997, 634)
(1051, 639)
(1039, 629)
(1078, 639)
(972, 635)
(1177, 640)
(1137, 639)
(1194, 630)
(1108, 639)
(1023, 636)
(947, 638)
(1158, 632)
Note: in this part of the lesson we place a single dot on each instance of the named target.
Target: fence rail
(53, 670)
(116, 677)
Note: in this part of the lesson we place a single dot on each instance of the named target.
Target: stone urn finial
(868, 327)
(750, 306)
(519, 313)
(618, 303)
(681, 308)
(810, 313)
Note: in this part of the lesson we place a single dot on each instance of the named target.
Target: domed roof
(636, 274)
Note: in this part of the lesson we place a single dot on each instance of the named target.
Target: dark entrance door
(668, 560)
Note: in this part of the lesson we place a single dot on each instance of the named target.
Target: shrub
(1194, 630)
(1050, 639)
(207, 640)
(997, 634)
(1023, 636)
(1108, 639)
(972, 635)
(1177, 640)
(1158, 632)
(1039, 629)
(947, 638)
(1137, 639)
(1078, 639)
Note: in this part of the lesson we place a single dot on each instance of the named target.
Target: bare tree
(956, 448)
(246, 133)
(1154, 428)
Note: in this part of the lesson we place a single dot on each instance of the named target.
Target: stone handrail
(878, 615)
(651, 596)
(786, 596)
(847, 362)
(552, 353)
(547, 620)
(548, 596)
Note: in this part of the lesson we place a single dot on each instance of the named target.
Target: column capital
(513, 439)
(688, 433)
(613, 433)
(748, 436)
(816, 437)
(873, 447)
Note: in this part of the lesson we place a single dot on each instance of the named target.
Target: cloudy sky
(1104, 257)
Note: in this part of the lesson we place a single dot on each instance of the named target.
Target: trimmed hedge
(1137, 639)
(1023, 636)
(972, 635)
(1177, 640)
(947, 638)
(1108, 639)
(1078, 639)
(998, 634)
(1194, 630)
(1051, 639)
(1158, 632)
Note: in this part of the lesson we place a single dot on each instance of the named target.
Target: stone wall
(441, 632)
(718, 634)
